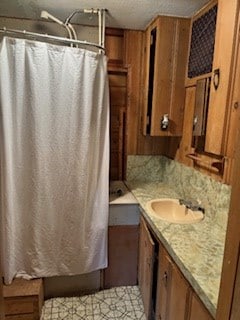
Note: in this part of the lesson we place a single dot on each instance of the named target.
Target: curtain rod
(53, 38)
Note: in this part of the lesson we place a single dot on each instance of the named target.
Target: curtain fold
(54, 159)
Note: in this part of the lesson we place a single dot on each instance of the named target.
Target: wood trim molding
(230, 261)
(204, 9)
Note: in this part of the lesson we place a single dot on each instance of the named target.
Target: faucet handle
(185, 202)
(181, 202)
(194, 205)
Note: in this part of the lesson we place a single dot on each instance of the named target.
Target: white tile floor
(116, 303)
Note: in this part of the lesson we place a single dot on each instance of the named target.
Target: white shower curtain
(54, 159)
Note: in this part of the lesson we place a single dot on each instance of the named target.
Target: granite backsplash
(187, 182)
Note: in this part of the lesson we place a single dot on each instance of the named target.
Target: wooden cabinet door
(145, 271)
(221, 75)
(172, 290)
(200, 114)
(163, 284)
(200, 106)
(178, 296)
(197, 310)
(166, 60)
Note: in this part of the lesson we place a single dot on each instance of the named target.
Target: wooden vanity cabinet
(172, 290)
(166, 294)
(197, 310)
(145, 267)
(165, 61)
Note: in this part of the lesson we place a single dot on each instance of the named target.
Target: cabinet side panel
(231, 251)
(234, 115)
(218, 104)
(122, 256)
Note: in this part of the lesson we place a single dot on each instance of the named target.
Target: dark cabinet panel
(122, 256)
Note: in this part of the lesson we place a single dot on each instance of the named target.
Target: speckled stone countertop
(197, 249)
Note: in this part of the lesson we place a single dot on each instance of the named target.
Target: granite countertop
(197, 249)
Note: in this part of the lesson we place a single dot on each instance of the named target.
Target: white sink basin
(170, 210)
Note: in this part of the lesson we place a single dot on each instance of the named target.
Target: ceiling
(127, 14)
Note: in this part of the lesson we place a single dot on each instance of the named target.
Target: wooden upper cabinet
(234, 114)
(165, 60)
(221, 76)
(114, 44)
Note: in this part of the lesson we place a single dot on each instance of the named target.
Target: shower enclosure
(54, 149)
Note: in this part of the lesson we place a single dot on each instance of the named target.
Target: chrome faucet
(191, 204)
